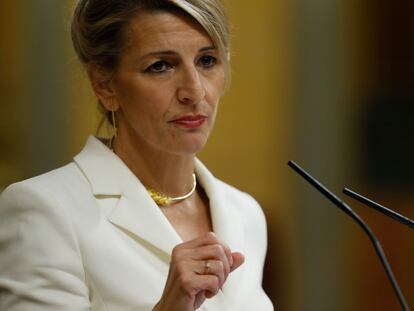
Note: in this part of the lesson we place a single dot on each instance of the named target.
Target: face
(168, 84)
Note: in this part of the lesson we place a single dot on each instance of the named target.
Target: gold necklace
(158, 197)
(162, 199)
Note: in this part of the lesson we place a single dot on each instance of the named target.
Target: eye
(207, 61)
(158, 67)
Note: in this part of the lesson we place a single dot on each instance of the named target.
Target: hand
(189, 280)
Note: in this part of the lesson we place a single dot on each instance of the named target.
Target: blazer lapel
(135, 212)
(225, 217)
(228, 225)
(138, 214)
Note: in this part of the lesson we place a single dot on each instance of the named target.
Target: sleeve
(40, 262)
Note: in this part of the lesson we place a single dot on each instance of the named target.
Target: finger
(209, 294)
(226, 249)
(187, 268)
(216, 252)
(215, 267)
(199, 287)
(238, 260)
(199, 299)
(228, 253)
(192, 283)
(206, 239)
(208, 283)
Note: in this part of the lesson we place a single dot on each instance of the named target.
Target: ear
(102, 85)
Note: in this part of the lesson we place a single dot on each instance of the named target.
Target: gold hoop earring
(115, 129)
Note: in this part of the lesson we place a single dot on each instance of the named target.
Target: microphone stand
(345, 208)
(382, 209)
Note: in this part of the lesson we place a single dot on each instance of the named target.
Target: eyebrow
(171, 52)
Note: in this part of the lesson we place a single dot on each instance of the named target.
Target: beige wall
(12, 73)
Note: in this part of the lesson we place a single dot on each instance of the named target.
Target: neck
(167, 173)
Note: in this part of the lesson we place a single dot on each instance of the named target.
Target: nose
(191, 89)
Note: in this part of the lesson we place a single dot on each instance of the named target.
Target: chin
(190, 146)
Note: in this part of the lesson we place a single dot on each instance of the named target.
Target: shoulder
(32, 209)
(51, 184)
(51, 197)
(34, 193)
(43, 204)
(38, 244)
(60, 176)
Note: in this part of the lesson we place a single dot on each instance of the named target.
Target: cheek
(215, 90)
(142, 100)
(219, 81)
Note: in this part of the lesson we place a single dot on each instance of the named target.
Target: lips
(190, 121)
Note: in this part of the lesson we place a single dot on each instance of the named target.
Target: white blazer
(88, 236)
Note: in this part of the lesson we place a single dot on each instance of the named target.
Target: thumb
(238, 260)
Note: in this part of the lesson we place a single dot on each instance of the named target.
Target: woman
(137, 222)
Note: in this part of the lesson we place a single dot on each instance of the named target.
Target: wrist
(165, 306)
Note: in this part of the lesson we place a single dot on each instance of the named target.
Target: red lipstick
(190, 121)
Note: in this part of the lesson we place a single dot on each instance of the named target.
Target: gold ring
(207, 267)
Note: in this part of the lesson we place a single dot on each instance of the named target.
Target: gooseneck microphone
(345, 208)
(382, 209)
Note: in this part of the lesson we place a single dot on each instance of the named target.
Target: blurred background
(327, 83)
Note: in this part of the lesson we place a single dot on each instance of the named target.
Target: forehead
(151, 30)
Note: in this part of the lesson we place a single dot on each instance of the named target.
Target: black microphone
(382, 209)
(345, 208)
